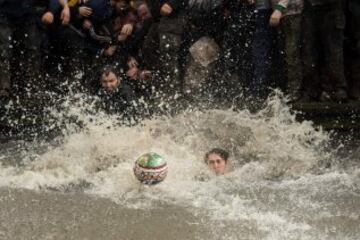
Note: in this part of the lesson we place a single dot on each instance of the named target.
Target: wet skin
(109, 82)
(217, 164)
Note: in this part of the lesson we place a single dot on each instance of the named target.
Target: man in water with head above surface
(218, 160)
(116, 96)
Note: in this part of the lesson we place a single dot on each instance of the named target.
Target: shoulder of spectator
(128, 92)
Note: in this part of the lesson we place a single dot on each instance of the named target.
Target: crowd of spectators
(135, 49)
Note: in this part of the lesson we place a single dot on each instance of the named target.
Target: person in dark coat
(323, 37)
(20, 37)
(77, 41)
(116, 96)
(234, 69)
(352, 47)
(169, 20)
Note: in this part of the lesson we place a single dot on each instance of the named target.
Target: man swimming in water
(218, 160)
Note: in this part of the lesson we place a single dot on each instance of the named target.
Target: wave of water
(278, 187)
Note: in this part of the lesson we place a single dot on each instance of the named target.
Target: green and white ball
(150, 168)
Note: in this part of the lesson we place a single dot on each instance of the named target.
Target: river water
(288, 179)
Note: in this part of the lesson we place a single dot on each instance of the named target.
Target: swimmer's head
(217, 159)
(109, 79)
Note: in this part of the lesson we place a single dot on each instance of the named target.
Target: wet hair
(219, 151)
(106, 70)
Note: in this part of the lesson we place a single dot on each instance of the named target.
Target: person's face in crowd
(217, 163)
(143, 12)
(109, 82)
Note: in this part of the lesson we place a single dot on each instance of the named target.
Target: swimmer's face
(109, 82)
(217, 163)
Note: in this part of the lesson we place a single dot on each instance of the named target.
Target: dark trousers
(289, 52)
(69, 59)
(264, 41)
(233, 70)
(352, 53)
(323, 36)
(170, 30)
(19, 54)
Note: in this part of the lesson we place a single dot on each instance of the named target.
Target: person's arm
(173, 6)
(65, 13)
(130, 22)
(278, 12)
(79, 9)
(53, 8)
(63, 3)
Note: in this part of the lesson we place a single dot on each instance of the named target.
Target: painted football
(150, 168)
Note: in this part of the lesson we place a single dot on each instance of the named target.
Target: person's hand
(127, 29)
(166, 10)
(110, 51)
(85, 11)
(87, 24)
(132, 62)
(145, 74)
(122, 37)
(47, 18)
(275, 18)
(65, 16)
(251, 2)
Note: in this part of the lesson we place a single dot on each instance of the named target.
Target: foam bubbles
(271, 192)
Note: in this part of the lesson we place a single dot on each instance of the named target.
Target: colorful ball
(150, 168)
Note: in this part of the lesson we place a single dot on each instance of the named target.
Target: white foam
(273, 154)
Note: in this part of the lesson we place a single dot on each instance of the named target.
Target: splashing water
(277, 188)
